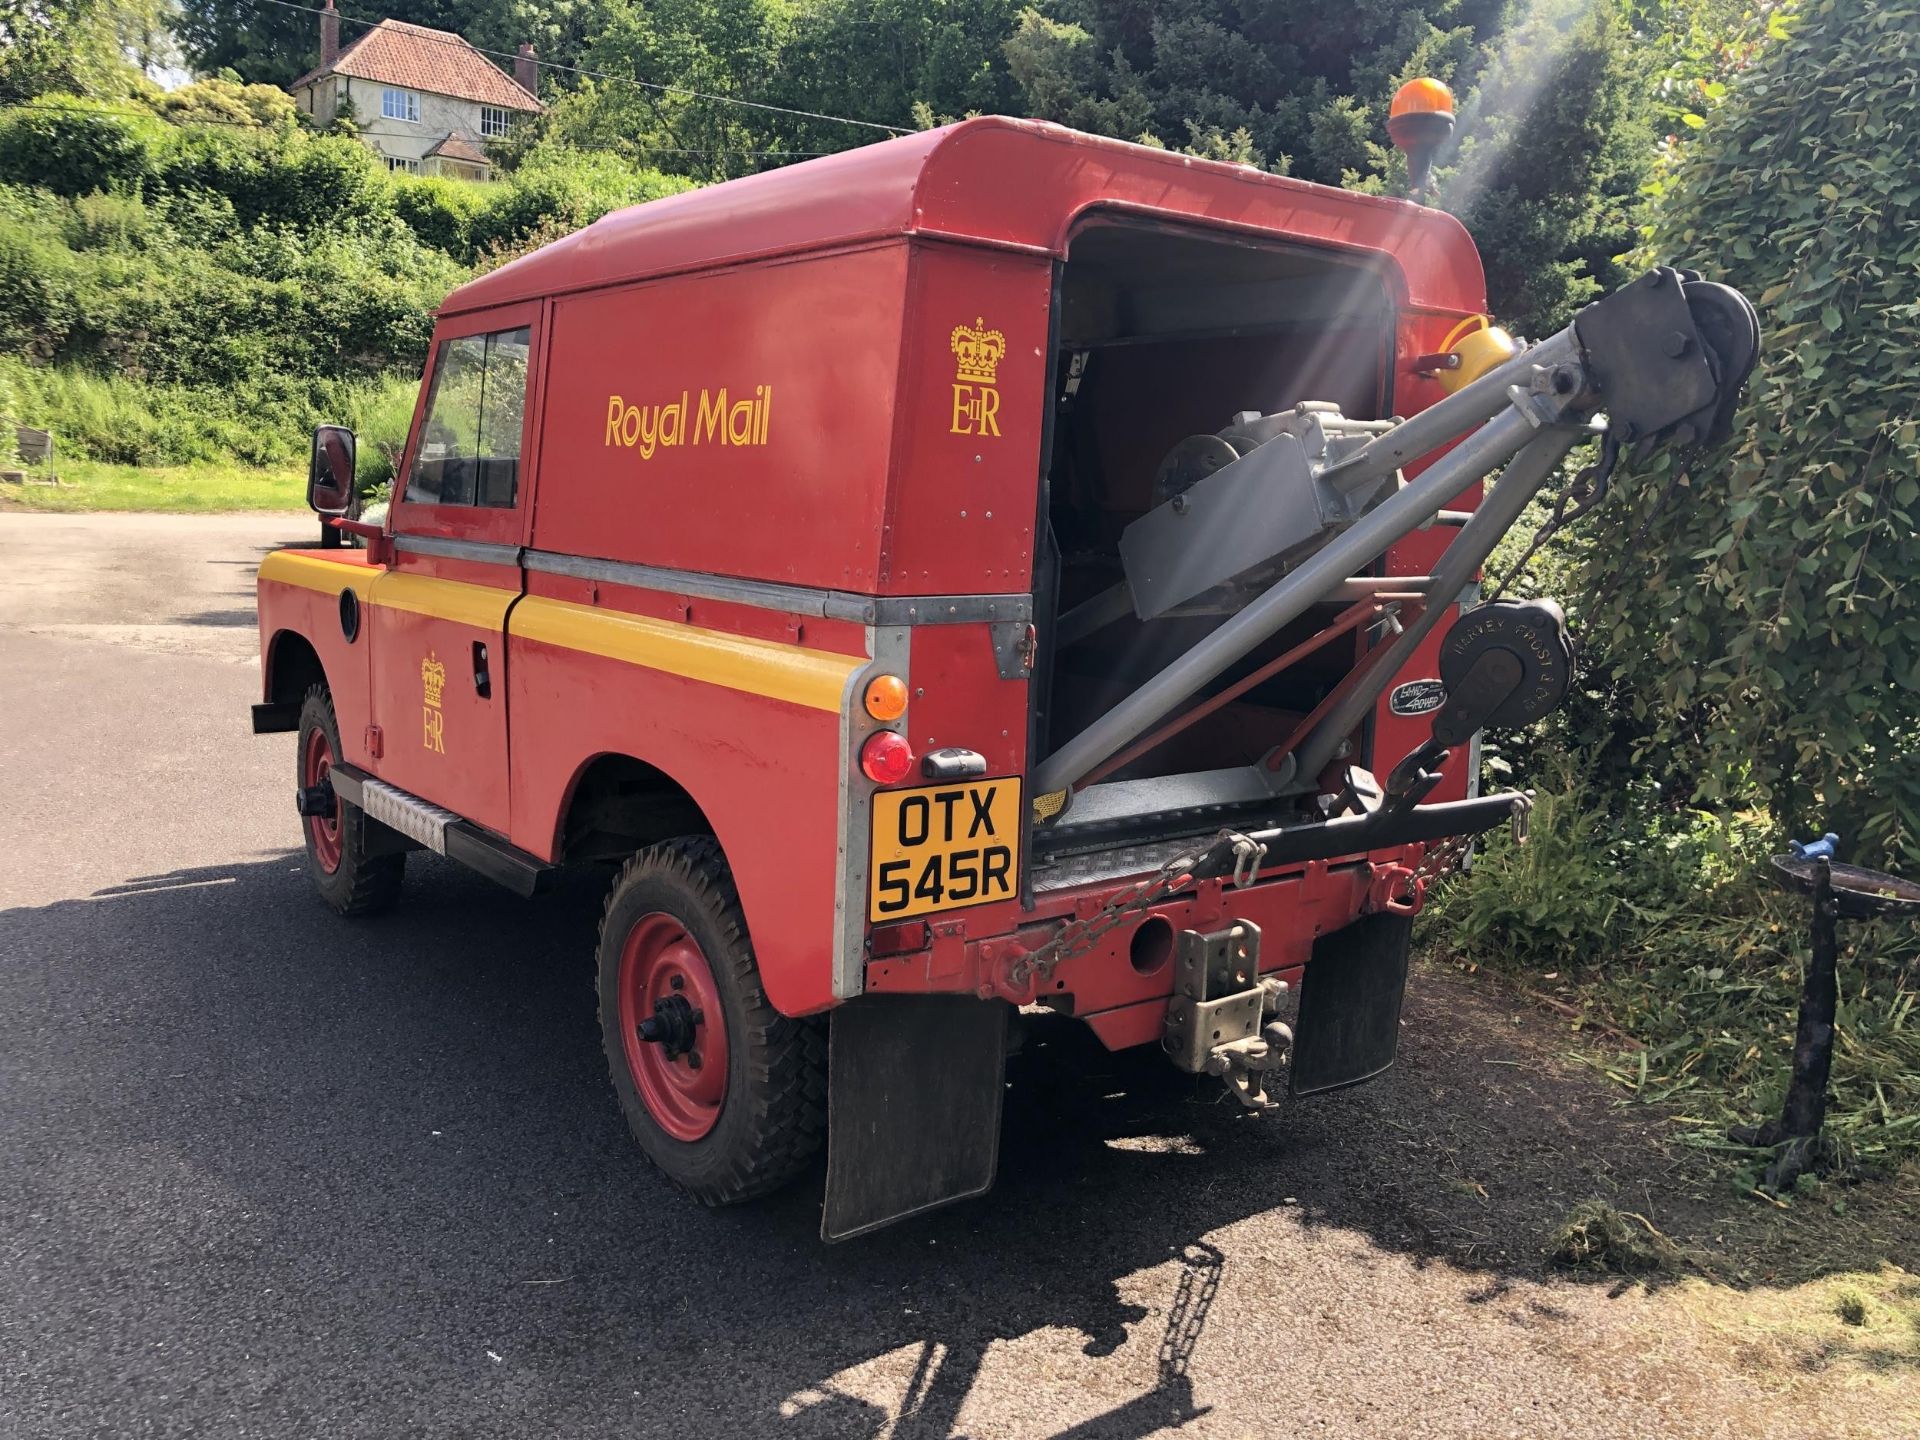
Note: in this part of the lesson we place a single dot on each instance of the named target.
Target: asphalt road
(266, 1172)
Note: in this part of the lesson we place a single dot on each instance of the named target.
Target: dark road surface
(266, 1172)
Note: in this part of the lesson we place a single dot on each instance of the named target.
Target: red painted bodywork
(838, 284)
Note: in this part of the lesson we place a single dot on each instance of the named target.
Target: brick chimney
(329, 35)
(524, 69)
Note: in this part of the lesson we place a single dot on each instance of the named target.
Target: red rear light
(886, 758)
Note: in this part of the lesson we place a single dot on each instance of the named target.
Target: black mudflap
(913, 1106)
(1349, 1023)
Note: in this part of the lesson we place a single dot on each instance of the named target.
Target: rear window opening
(1164, 334)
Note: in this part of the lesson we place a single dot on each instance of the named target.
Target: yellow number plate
(944, 847)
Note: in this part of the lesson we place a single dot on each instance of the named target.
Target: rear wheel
(724, 1093)
(348, 878)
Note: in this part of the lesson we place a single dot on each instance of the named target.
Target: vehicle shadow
(354, 1169)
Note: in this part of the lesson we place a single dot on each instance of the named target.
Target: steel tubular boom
(1504, 504)
(1319, 576)
(1433, 427)
(1356, 614)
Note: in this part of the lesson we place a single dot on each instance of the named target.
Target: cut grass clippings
(1863, 1324)
(1598, 1239)
(182, 489)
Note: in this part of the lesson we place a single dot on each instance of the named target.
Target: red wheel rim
(323, 831)
(683, 1091)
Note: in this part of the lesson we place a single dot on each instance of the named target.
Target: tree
(76, 47)
(1554, 154)
(1549, 159)
(264, 44)
(1768, 616)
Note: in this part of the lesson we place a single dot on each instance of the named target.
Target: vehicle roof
(1020, 184)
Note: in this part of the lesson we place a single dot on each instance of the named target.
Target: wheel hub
(673, 1026)
(317, 802)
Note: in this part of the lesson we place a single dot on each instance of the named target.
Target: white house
(425, 100)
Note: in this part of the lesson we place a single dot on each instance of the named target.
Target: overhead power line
(453, 40)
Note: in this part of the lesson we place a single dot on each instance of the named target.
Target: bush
(1767, 629)
(1667, 925)
(381, 415)
(266, 421)
(212, 292)
(38, 287)
(287, 178)
(1551, 904)
(567, 188)
(111, 282)
(439, 211)
(71, 145)
(9, 415)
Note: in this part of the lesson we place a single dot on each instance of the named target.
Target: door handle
(482, 677)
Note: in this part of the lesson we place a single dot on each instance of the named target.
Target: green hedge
(1766, 629)
(194, 292)
(180, 291)
(286, 176)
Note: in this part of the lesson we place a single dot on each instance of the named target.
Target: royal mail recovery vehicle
(975, 571)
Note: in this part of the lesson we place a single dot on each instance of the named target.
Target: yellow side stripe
(816, 679)
(310, 572)
(464, 604)
(482, 606)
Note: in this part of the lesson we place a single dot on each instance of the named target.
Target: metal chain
(1077, 937)
(1580, 498)
(1445, 854)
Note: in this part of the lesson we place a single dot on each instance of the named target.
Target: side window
(469, 451)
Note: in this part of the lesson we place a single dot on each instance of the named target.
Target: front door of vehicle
(439, 613)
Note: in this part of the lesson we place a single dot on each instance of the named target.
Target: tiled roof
(458, 147)
(435, 61)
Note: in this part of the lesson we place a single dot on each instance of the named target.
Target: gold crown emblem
(433, 675)
(979, 352)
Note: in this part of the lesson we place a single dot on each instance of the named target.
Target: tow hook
(671, 1026)
(1244, 1064)
(315, 801)
(1217, 1023)
(1397, 890)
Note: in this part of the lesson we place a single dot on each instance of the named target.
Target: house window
(476, 403)
(398, 162)
(399, 105)
(494, 120)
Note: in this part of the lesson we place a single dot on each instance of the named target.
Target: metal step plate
(1120, 863)
(410, 815)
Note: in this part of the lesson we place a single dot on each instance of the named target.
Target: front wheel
(724, 1093)
(348, 878)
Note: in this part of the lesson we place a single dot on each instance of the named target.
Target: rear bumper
(1315, 879)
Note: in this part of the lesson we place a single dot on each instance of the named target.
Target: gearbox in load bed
(1239, 508)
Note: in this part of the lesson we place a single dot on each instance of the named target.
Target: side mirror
(330, 472)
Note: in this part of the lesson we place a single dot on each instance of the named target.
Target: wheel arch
(616, 804)
(293, 667)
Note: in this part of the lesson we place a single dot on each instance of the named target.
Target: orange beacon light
(1419, 122)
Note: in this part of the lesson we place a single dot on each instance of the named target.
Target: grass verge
(182, 489)
(1664, 940)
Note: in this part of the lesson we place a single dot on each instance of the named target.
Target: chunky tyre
(348, 878)
(726, 1095)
